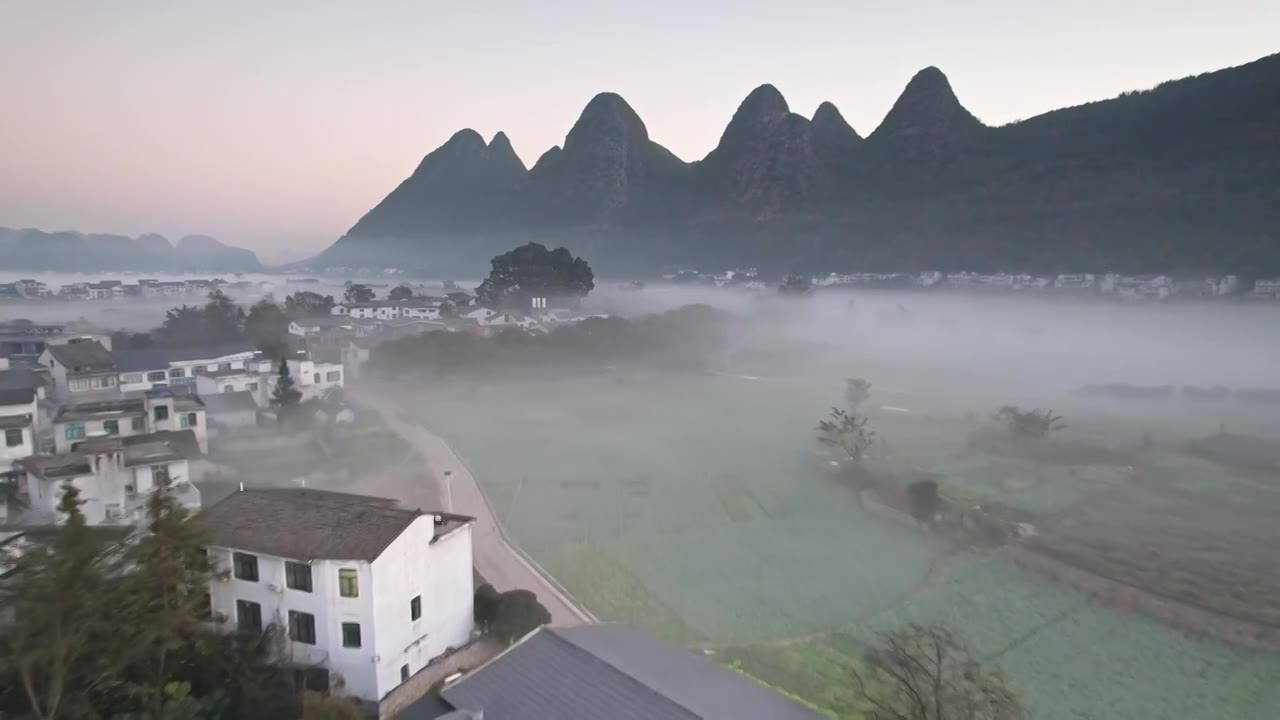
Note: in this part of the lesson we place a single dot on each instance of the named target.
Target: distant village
(1123, 287)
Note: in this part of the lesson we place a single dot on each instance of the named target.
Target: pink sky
(278, 124)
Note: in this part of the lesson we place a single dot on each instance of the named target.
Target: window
(251, 387)
(228, 388)
(139, 424)
(246, 566)
(105, 382)
(162, 413)
(111, 427)
(13, 438)
(177, 373)
(404, 673)
(156, 377)
(333, 376)
(78, 384)
(302, 627)
(317, 378)
(348, 583)
(224, 366)
(415, 608)
(75, 431)
(248, 616)
(351, 635)
(297, 576)
(188, 420)
(160, 473)
(131, 378)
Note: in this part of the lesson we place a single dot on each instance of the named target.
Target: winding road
(501, 563)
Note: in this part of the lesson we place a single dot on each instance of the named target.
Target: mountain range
(67, 251)
(1183, 177)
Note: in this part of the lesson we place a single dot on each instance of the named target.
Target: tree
(848, 432)
(1029, 425)
(924, 499)
(224, 319)
(285, 397)
(926, 673)
(486, 605)
(795, 284)
(856, 392)
(304, 304)
(316, 706)
(518, 614)
(359, 294)
(531, 271)
(402, 292)
(168, 587)
(183, 327)
(59, 606)
(267, 327)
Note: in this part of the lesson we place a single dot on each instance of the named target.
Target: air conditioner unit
(274, 588)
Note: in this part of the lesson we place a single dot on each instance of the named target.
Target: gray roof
(19, 378)
(148, 449)
(239, 401)
(83, 356)
(14, 422)
(303, 524)
(158, 358)
(612, 671)
(17, 397)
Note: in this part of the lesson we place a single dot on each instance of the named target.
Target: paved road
(504, 566)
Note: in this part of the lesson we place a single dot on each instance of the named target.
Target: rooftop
(149, 449)
(159, 358)
(83, 356)
(93, 409)
(304, 524)
(616, 672)
(20, 378)
(21, 396)
(14, 422)
(230, 402)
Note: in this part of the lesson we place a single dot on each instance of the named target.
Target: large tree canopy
(532, 271)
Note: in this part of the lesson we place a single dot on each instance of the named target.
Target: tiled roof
(17, 397)
(303, 524)
(83, 356)
(616, 672)
(158, 358)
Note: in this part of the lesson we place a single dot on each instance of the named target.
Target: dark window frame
(9, 434)
(248, 610)
(343, 575)
(302, 627)
(297, 576)
(351, 635)
(244, 565)
(415, 607)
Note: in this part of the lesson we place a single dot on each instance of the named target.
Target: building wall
(259, 384)
(304, 377)
(354, 665)
(28, 446)
(94, 428)
(441, 574)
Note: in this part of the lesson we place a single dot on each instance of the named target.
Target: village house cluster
(119, 290)
(1124, 287)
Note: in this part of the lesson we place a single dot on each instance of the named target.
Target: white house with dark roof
(155, 411)
(366, 590)
(80, 366)
(19, 418)
(115, 476)
(148, 368)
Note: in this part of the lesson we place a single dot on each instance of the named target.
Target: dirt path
(501, 563)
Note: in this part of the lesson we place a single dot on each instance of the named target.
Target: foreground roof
(616, 672)
(304, 524)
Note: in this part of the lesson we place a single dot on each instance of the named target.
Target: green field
(700, 506)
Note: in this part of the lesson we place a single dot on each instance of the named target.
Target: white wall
(442, 575)
(28, 446)
(354, 665)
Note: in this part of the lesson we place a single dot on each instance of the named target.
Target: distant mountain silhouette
(67, 251)
(1181, 178)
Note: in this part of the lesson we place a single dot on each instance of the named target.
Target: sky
(276, 125)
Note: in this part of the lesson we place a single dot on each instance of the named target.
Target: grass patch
(612, 593)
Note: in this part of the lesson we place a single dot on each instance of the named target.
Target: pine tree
(58, 611)
(168, 599)
(285, 397)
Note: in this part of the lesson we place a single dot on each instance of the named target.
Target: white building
(19, 418)
(115, 476)
(1266, 289)
(364, 589)
(157, 411)
(150, 368)
(80, 366)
